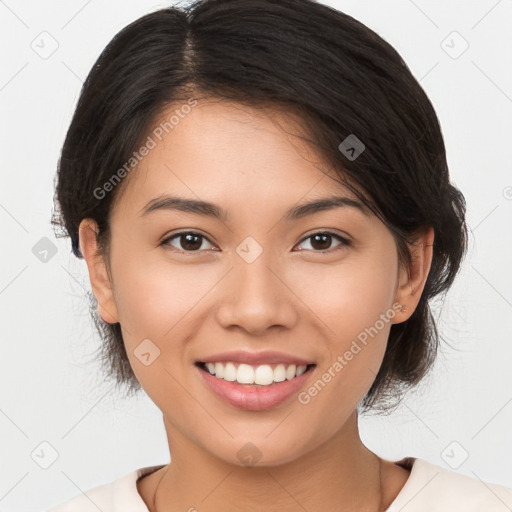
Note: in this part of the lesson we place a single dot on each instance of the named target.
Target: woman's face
(254, 280)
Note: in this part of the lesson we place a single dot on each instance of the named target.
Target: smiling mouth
(262, 375)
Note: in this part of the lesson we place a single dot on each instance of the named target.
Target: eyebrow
(205, 208)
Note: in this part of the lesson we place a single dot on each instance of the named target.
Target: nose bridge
(256, 298)
(256, 281)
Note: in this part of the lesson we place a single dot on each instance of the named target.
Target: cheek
(354, 303)
(350, 296)
(154, 295)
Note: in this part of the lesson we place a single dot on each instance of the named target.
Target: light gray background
(50, 389)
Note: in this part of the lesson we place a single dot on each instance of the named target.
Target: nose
(256, 297)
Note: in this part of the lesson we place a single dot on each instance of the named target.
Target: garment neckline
(409, 463)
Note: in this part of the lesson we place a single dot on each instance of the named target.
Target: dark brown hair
(339, 76)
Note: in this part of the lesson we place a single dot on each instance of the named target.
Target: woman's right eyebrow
(199, 207)
(167, 202)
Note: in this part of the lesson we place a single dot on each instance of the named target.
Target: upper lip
(254, 358)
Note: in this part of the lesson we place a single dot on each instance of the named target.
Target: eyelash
(344, 242)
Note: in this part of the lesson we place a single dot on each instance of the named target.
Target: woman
(261, 194)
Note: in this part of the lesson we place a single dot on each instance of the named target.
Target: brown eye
(321, 241)
(188, 241)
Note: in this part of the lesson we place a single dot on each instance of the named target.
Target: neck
(341, 474)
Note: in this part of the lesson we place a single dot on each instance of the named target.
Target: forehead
(230, 154)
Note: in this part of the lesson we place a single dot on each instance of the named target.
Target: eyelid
(168, 238)
(343, 239)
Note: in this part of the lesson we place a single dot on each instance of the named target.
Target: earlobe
(98, 275)
(412, 280)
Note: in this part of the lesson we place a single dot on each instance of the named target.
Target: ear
(411, 281)
(98, 275)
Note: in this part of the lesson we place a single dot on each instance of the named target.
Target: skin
(292, 298)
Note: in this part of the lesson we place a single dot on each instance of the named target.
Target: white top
(429, 488)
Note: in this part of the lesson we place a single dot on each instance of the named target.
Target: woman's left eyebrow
(198, 207)
(324, 204)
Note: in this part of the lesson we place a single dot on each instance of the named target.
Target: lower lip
(255, 398)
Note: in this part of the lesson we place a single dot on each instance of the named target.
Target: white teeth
(290, 372)
(301, 369)
(263, 375)
(230, 372)
(280, 373)
(245, 374)
(219, 370)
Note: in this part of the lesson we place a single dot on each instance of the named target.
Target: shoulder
(120, 495)
(432, 488)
